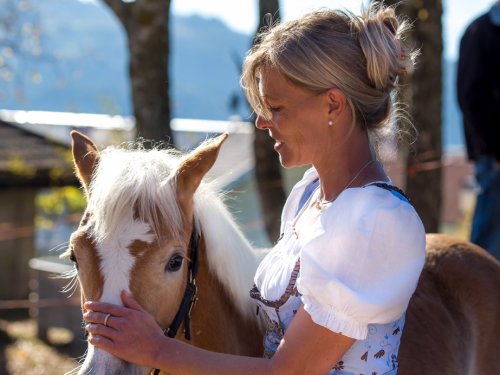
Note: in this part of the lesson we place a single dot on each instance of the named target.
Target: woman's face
(299, 119)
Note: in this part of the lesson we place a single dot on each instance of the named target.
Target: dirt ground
(22, 353)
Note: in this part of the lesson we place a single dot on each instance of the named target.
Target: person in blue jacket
(478, 91)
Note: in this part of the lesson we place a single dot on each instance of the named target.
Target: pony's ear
(194, 166)
(85, 157)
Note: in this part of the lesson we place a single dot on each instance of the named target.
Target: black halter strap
(189, 299)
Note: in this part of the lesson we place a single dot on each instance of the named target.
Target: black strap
(184, 312)
(386, 186)
(194, 245)
(189, 299)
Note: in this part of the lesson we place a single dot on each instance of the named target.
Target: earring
(330, 123)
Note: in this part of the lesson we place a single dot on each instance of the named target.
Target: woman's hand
(132, 334)
(128, 332)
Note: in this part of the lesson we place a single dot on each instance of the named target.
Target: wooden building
(28, 162)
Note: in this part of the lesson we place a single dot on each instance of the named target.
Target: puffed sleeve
(360, 262)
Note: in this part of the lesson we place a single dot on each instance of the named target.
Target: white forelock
(129, 182)
(140, 182)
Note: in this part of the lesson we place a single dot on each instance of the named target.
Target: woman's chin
(287, 163)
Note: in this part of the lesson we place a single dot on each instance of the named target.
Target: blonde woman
(335, 288)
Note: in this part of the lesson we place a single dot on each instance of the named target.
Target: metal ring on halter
(106, 320)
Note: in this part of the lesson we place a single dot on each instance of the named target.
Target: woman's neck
(351, 164)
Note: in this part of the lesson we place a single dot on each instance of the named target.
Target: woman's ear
(336, 103)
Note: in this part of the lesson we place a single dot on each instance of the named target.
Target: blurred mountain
(84, 65)
(84, 68)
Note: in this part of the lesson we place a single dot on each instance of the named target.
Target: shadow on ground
(22, 352)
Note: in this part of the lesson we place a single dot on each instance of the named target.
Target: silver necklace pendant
(321, 203)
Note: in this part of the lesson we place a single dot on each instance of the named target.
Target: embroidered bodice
(354, 283)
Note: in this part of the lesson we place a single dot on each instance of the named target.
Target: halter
(189, 299)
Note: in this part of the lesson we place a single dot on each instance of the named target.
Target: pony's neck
(218, 324)
(229, 256)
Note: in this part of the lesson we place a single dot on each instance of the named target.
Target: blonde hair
(360, 55)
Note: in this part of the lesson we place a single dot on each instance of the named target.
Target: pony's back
(453, 320)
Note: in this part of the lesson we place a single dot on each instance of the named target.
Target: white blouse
(353, 265)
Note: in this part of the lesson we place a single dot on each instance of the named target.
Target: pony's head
(135, 232)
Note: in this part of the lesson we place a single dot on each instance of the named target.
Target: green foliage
(60, 201)
(17, 165)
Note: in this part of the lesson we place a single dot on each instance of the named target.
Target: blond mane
(134, 181)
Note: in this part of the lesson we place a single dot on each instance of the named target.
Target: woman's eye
(174, 263)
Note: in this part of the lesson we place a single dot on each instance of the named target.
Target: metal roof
(35, 145)
(28, 159)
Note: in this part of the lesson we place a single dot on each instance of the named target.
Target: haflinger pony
(152, 227)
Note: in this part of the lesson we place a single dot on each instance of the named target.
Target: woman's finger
(97, 317)
(106, 308)
(101, 342)
(130, 302)
(100, 330)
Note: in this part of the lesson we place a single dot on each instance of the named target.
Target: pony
(155, 228)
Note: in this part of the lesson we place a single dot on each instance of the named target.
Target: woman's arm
(133, 335)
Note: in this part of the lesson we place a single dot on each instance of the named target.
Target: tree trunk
(422, 92)
(17, 241)
(424, 165)
(146, 23)
(267, 165)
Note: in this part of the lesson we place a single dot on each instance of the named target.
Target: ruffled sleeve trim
(360, 261)
(334, 320)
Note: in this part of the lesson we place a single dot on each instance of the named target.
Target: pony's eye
(174, 263)
(72, 257)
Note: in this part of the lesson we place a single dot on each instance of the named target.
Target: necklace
(321, 202)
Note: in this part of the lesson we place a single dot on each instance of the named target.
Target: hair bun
(391, 24)
(380, 38)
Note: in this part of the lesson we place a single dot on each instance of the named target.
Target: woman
(335, 288)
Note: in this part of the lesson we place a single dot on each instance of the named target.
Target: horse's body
(453, 320)
(142, 209)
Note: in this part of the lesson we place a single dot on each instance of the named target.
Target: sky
(241, 15)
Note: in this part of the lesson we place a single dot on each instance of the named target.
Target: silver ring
(106, 320)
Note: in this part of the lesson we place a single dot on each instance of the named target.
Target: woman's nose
(261, 123)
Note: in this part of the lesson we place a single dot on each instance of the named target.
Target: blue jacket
(478, 85)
